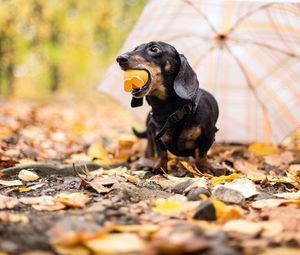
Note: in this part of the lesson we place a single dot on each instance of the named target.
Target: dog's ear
(136, 102)
(186, 83)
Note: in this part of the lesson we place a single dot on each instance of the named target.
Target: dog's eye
(154, 49)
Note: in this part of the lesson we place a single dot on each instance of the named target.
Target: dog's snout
(122, 59)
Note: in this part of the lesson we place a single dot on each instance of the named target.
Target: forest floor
(73, 180)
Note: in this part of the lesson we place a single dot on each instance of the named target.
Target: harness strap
(187, 109)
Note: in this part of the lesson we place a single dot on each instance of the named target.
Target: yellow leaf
(75, 200)
(263, 149)
(190, 168)
(97, 151)
(117, 243)
(225, 178)
(167, 207)
(219, 206)
(24, 189)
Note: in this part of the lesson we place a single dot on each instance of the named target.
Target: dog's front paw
(160, 165)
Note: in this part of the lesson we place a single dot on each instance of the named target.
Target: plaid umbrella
(247, 54)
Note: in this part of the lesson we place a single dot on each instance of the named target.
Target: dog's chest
(182, 141)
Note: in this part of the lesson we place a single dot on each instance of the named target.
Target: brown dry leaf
(75, 200)
(13, 217)
(282, 159)
(289, 195)
(167, 206)
(143, 230)
(294, 173)
(26, 175)
(243, 185)
(263, 149)
(271, 228)
(5, 163)
(250, 170)
(74, 250)
(124, 243)
(243, 227)
(225, 178)
(8, 202)
(281, 251)
(102, 184)
(162, 181)
(11, 183)
(179, 238)
(273, 203)
(43, 203)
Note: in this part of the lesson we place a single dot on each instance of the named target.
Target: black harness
(186, 110)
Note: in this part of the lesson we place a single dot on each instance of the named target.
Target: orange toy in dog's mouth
(135, 79)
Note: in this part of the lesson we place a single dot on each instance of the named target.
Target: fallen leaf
(243, 185)
(243, 227)
(190, 168)
(8, 202)
(144, 230)
(5, 163)
(225, 178)
(11, 183)
(250, 170)
(271, 228)
(273, 203)
(289, 195)
(281, 251)
(26, 175)
(263, 149)
(100, 183)
(43, 203)
(75, 200)
(124, 243)
(161, 181)
(167, 206)
(33, 187)
(74, 250)
(98, 152)
(13, 217)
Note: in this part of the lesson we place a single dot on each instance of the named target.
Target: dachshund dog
(183, 116)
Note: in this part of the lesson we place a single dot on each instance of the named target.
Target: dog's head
(168, 71)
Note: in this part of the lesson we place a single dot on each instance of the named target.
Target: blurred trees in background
(51, 45)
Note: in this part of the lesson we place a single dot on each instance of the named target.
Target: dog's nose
(122, 59)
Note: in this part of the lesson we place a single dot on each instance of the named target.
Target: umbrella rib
(248, 14)
(203, 15)
(268, 46)
(181, 36)
(249, 83)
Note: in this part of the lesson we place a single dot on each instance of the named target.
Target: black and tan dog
(183, 116)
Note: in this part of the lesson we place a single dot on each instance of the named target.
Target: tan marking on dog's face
(168, 66)
(156, 88)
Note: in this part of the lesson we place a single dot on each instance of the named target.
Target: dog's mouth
(143, 91)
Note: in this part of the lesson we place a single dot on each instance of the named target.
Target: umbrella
(247, 54)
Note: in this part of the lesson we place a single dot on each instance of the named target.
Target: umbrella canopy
(247, 54)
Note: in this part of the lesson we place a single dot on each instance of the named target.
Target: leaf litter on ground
(123, 206)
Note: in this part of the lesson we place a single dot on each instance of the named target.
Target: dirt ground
(87, 189)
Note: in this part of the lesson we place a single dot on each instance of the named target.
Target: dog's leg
(201, 154)
(150, 151)
(162, 156)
